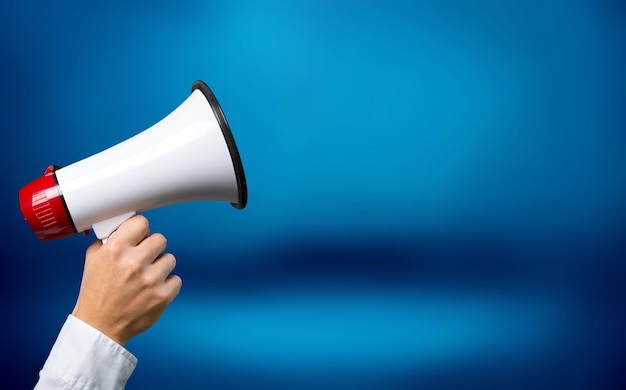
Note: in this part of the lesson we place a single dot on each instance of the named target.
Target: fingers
(161, 269)
(172, 286)
(163, 266)
(152, 247)
(136, 232)
(133, 231)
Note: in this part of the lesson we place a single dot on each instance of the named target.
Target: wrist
(108, 331)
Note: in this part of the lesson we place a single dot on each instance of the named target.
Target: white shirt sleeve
(82, 358)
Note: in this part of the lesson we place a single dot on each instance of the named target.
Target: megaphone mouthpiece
(43, 207)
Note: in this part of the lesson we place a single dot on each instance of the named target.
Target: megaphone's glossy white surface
(182, 158)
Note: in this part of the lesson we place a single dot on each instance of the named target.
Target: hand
(126, 283)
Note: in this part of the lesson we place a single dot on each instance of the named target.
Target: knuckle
(176, 284)
(147, 281)
(179, 283)
(135, 268)
(167, 262)
(163, 295)
(160, 239)
(142, 222)
(114, 248)
(141, 219)
(172, 260)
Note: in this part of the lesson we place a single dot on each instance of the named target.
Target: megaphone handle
(104, 229)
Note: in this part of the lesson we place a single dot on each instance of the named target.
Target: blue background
(436, 188)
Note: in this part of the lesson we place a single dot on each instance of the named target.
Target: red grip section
(42, 206)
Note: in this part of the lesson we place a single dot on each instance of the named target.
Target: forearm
(84, 358)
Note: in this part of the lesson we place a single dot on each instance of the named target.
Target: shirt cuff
(84, 358)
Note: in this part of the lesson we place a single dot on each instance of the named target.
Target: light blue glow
(379, 331)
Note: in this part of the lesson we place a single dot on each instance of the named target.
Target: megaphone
(190, 155)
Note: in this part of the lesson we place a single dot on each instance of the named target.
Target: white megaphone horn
(190, 155)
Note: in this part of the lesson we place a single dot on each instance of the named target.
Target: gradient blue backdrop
(436, 188)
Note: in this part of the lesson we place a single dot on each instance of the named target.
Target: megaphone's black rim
(242, 188)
